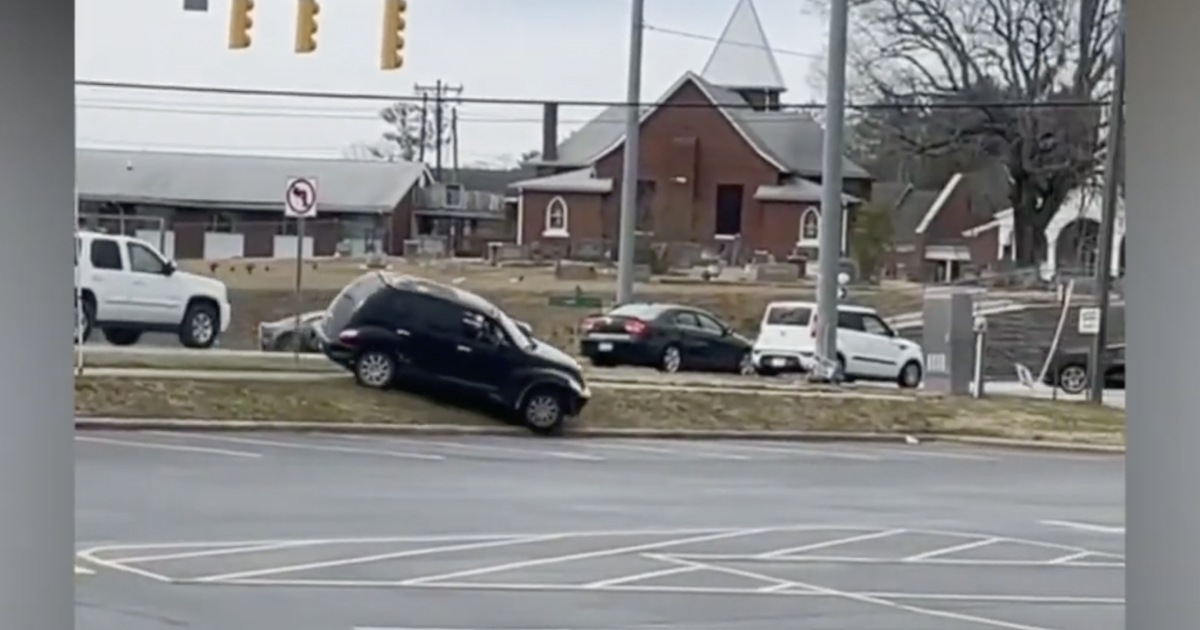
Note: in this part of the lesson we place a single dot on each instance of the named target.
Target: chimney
(549, 132)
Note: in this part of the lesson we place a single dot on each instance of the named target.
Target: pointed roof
(742, 58)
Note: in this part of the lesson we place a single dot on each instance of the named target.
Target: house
(969, 225)
(720, 162)
(931, 238)
(1072, 236)
(469, 210)
(200, 206)
(907, 206)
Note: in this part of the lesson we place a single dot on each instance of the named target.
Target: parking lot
(520, 534)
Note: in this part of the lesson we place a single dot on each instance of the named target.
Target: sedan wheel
(746, 365)
(671, 360)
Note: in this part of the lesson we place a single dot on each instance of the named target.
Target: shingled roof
(741, 60)
(244, 182)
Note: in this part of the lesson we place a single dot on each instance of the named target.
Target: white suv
(868, 349)
(127, 287)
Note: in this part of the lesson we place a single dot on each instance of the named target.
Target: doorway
(729, 209)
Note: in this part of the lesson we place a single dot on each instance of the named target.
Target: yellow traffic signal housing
(241, 22)
(306, 25)
(391, 54)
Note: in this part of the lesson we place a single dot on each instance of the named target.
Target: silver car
(281, 334)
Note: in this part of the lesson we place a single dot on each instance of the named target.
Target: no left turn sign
(300, 198)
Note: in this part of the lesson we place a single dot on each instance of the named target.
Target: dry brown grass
(268, 294)
(342, 401)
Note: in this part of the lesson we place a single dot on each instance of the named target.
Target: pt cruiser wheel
(544, 410)
(375, 369)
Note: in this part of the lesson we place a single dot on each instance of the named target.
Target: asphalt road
(216, 532)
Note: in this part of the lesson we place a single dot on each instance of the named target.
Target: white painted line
(945, 551)
(658, 450)
(949, 562)
(117, 566)
(410, 553)
(631, 549)
(798, 451)
(311, 447)
(639, 577)
(918, 452)
(864, 598)
(775, 583)
(168, 447)
(83, 570)
(209, 553)
(1086, 527)
(1012, 599)
(838, 542)
(485, 448)
(1072, 558)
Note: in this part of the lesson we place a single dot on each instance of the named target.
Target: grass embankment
(342, 401)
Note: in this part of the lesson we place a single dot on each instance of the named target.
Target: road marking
(945, 551)
(639, 577)
(525, 564)
(919, 452)
(208, 553)
(409, 553)
(1073, 558)
(168, 447)
(658, 450)
(1066, 561)
(798, 450)
(1086, 527)
(776, 583)
(527, 452)
(779, 553)
(310, 447)
(83, 571)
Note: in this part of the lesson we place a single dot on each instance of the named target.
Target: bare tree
(408, 131)
(918, 57)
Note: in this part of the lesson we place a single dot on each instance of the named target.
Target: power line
(311, 113)
(476, 100)
(711, 39)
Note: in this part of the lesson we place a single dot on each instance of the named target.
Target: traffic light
(241, 22)
(391, 54)
(306, 25)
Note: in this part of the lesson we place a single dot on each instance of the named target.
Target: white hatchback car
(868, 349)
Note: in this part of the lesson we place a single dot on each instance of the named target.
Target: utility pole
(831, 223)
(630, 169)
(454, 143)
(438, 93)
(423, 135)
(1113, 166)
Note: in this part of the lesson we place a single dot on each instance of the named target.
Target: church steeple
(742, 60)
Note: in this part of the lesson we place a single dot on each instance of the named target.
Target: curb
(229, 426)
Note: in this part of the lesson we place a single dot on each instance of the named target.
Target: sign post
(299, 203)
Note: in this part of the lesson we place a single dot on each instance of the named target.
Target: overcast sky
(537, 49)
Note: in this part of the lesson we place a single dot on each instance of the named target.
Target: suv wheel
(86, 322)
(199, 327)
(544, 410)
(745, 365)
(910, 376)
(375, 369)
(122, 336)
(1073, 379)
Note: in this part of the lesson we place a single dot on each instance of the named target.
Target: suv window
(347, 302)
(142, 259)
(875, 326)
(789, 316)
(106, 254)
(851, 321)
(439, 317)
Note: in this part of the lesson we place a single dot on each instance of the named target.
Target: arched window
(810, 224)
(556, 216)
